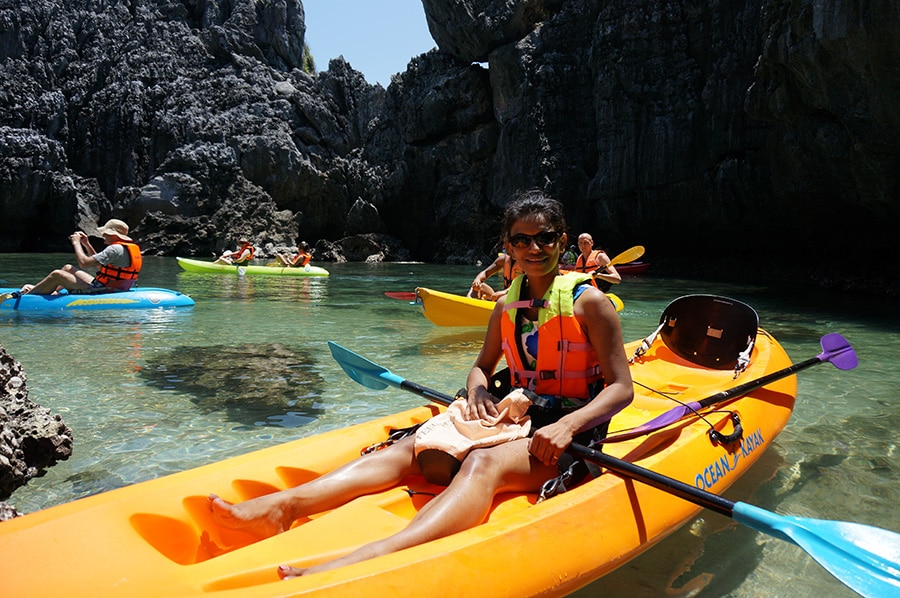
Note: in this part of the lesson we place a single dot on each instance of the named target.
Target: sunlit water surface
(156, 392)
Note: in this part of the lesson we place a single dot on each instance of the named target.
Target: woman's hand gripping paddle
(864, 558)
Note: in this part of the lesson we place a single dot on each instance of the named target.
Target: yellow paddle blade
(629, 255)
(617, 303)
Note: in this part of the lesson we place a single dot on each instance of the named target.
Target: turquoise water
(151, 393)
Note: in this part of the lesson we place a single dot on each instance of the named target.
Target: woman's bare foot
(263, 516)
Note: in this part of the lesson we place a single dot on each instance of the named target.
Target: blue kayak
(136, 298)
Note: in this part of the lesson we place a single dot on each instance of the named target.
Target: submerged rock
(255, 384)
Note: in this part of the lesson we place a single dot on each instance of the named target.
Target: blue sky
(377, 37)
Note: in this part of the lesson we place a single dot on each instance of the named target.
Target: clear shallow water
(151, 393)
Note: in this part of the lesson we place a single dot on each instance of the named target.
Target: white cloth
(455, 435)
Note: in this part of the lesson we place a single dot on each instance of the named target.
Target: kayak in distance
(191, 265)
(447, 309)
(136, 298)
(158, 538)
(633, 268)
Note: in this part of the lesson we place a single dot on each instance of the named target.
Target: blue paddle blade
(838, 351)
(369, 374)
(864, 558)
(358, 367)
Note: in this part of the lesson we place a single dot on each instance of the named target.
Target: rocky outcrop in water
(31, 437)
(733, 139)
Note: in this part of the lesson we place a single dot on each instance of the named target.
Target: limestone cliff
(744, 139)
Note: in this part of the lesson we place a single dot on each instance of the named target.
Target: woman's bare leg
(273, 513)
(464, 504)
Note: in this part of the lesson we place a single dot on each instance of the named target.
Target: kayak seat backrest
(709, 330)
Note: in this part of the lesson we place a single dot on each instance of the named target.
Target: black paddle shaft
(434, 395)
(758, 383)
(705, 499)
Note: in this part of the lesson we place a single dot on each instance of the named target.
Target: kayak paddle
(629, 255)
(617, 303)
(864, 558)
(835, 349)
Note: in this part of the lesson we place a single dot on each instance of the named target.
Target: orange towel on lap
(455, 435)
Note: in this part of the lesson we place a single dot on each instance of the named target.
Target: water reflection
(269, 288)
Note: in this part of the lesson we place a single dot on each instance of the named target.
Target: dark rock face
(31, 438)
(696, 130)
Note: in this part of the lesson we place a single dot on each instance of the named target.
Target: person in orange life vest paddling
(541, 304)
(593, 261)
(300, 260)
(243, 254)
(481, 290)
(119, 263)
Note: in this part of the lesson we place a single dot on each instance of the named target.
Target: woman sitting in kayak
(576, 403)
(300, 260)
(243, 254)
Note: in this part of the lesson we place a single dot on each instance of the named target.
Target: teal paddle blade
(864, 558)
(361, 370)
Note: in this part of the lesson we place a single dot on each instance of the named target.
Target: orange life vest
(510, 271)
(567, 365)
(592, 263)
(122, 279)
(301, 260)
(238, 253)
(589, 265)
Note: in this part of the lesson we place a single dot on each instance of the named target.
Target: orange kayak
(156, 538)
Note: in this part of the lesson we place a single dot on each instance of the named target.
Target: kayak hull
(190, 265)
(633, 268)
(156, 538)
(447, 309)
(136, 298)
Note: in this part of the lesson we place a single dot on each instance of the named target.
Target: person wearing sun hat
(119, 264)
(243, 254)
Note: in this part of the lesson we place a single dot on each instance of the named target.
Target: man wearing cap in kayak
(543, 314)
(119, 264)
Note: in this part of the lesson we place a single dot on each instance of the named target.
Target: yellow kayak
(447, 309)
(157, 538)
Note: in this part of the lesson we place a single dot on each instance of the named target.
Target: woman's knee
(480, 462)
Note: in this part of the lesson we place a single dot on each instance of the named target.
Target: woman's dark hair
(528, 204)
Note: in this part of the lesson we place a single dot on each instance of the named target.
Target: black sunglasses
(543, 239)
